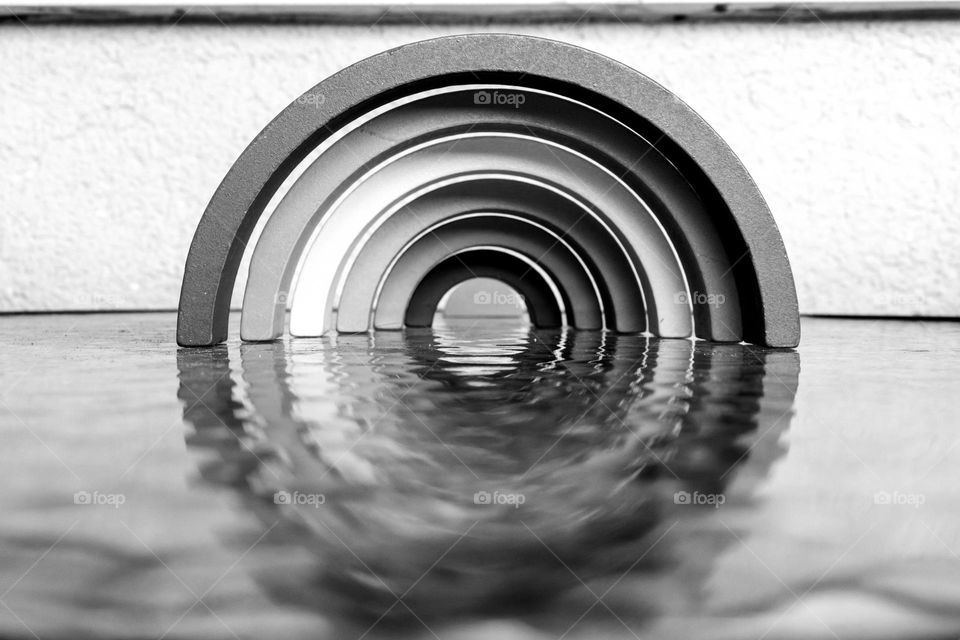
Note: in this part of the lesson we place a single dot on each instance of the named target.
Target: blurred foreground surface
(477, 481)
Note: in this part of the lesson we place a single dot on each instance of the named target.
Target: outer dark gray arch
(762, 269)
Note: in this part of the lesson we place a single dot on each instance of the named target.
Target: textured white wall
(113, 138)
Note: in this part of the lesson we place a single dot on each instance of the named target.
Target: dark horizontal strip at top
(417, 12)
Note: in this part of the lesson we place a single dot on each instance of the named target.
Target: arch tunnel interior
(593, 191)
(476, 300)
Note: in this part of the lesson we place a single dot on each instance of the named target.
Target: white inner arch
(385, 185)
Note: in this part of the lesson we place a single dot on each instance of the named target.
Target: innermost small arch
(482, 300)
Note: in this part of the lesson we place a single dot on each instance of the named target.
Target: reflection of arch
(672, 411)
(374, 119)
(540, 301)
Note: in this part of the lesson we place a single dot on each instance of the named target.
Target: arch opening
(482, 302)
(523, 282)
